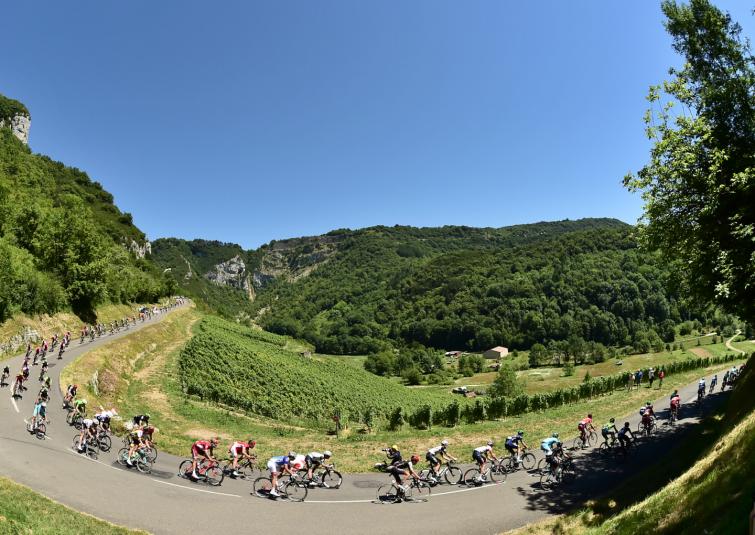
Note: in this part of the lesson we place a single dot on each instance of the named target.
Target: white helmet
(327, 453)
(490, 442)
(444, 443)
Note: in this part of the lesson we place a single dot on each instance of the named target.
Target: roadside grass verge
(145, 368)
(23, 511)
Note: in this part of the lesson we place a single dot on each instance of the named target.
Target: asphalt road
(163, 503)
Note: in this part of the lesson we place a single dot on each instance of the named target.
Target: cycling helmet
(589, 415)
(415, 459)
(214, 440)
(612, 420)
(444, 443)
(291, 454)
(555, 435)
(626, 424)
(490, 442)
(648, 403)
(520, 433)
(394, 447)
(83, 402)
(76, 386)
(252, 443)
(327, 454)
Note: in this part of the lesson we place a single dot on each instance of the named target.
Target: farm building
(496, 353)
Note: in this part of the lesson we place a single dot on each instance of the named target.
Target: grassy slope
(23, 511)
(145, 367)
(714, 487)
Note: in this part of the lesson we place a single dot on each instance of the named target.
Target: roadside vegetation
(23, 511)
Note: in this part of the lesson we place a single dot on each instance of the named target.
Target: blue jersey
(281, 460)
(549, 442)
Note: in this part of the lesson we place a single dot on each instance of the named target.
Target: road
(730, 340)
(163, 503)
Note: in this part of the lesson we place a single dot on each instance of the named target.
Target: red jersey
(585, 421)
(202, 445)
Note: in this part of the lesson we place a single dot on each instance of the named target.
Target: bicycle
(591, 437)
(449, 472)
(246, 468)
(89, 451)
(700, 394)
(139, 460)
(292, 488)
(418, 490)
(673, 416)
(207, 471)
(474, 478)
(325, 476)
(104, 442)
(565, 472)
(74, 418)
(39, 429)
(648, 429)
(510, 464)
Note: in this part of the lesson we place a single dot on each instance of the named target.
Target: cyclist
(674, 394)
(701, 388)
(405, 469)
(609, 429)
(6, 374)
(241, 449)
(141, 420)
(676, 401)
(138, 439)
(88, 430)
(584, 425)
(552, 448)
(277, 466)
(480, 456)
(713, 383)
(623, 439)
(44, 394)
(432, 457)
(201, 448)
(648, 415)
(393, 454)
(513, 445)
(70, 393)
(40, 412)
(18, 384)
(314, 460)
(104, 417)
(80, 405)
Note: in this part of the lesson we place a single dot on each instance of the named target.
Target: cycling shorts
(477, 457)
(39, 410)
(273, 467)
(432, 459)
(197, 452)
(581, 426)
(510, 447)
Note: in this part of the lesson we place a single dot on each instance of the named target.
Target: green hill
(364, 291)
(63, 242)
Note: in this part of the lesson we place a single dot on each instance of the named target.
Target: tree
(698, 186)
(538, 355)
(506, 384)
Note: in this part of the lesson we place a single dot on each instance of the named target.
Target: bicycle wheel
(144, 466)
(577, 444)
(419, 492)
(592, 438)
(387, 493)
(41, 430)
(246, 470)
(184, 468)
(150, 454)
(528, 461)
(453, 475)
(472, 477)
(295, 491)
(104, 442)
(214, 475)
(122, 456)
(331, 479)
(568, 472)
(547, 480)
(262, 487)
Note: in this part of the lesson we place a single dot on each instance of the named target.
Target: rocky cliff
(232, 273)
(19, 125)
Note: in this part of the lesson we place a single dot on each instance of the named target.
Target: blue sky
(247, 121)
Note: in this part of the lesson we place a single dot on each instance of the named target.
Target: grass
(705, 481)
(146, 380)
(23, 511)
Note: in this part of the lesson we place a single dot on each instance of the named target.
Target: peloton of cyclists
(433, 454)
(480, 456)
(241, 450)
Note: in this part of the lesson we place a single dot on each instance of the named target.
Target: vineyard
(251, 370)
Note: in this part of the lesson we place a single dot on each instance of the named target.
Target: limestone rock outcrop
(19, 125)
(232, 273)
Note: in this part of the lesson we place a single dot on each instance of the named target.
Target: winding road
(163, 503)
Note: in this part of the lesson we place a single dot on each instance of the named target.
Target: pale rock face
(140, 250)
(19, 125)
(27, 335)
(232, 273)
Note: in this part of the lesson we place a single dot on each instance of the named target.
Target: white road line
(432, 495)
(13, 400)
(196, 490)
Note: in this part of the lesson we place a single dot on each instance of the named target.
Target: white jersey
(484, 449)
(316, 456)
(436, 450)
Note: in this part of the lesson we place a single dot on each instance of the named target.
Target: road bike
(673, 416)
(138, 460)
(74, 418)
(89, 450)
(648, 429)
(246, 468)
(492, 474)
(39, 429)
(448, 472)
(325, 476)
(417, 490)
(291, 488)
(565, 472)
(591, 437)
(4, 379)
(510, 464)
(208, 472)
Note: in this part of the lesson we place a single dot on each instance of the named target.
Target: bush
(568, 369)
